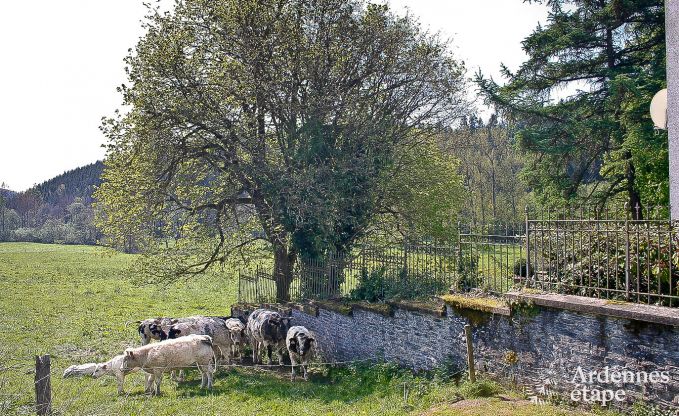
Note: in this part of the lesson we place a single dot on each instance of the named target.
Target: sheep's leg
(280, 356)
(255, 351)
(203, 376)
(294, 363)
(268, 354)
(148, 385)
(120, 377)
(210, 374)
(158, 378)
(304, 365)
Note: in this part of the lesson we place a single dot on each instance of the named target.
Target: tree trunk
(284, 261)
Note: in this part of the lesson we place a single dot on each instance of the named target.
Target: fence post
(527, 247)
(43, 387)
(470, 353)
(459, 245)
(627, 266)
(240, 277)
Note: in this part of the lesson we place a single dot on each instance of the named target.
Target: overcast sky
(62, 60)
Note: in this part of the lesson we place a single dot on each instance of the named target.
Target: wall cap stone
(436, 308)
(634, 311)
(486, 304)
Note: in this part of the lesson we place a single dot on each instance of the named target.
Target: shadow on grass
(324, 385)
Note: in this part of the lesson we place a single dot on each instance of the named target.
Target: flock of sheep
(203, 342)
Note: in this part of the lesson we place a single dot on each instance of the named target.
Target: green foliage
(482, 388)
(596, 141)
(424, 193)
(598, 260)
(272, 120)
(370, 286)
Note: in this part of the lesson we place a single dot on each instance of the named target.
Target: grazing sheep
(155, 359)
(267, 329)
(300, 342)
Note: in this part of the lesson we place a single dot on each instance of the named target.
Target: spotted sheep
(154, 329)
(267, 329)
(300, 343)
(172, 354)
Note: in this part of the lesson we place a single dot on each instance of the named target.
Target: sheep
(215, 327)
(112, 367)
(238, 336)
(155, 359)
(267, 329)
(300, 342)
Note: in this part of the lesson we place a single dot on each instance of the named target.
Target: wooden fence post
(43, 387)
(470, 353)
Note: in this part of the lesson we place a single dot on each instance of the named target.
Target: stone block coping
(634, 311)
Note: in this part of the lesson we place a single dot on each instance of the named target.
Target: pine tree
(597, 143)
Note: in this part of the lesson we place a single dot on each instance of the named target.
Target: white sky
(62, 60)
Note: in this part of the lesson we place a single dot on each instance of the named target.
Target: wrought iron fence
(588, 253)
(597, 254)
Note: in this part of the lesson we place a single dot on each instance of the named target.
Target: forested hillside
(56, 211)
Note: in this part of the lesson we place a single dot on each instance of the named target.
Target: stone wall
(540, 347)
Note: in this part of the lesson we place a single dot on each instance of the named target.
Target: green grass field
(72, 302)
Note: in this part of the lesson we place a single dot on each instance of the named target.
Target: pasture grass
(73, 302)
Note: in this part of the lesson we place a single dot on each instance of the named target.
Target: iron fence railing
(594, 254)
(604, 256)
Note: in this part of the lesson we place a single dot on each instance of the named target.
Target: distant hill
(76, 183)
(56, 211)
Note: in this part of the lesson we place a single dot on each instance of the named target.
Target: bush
(370, 286)
(482, 388)
(379, 285)
(466, 276)
(597, 263)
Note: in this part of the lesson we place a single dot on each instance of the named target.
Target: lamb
(267, 329)
(112, 367)
(300, 342)
(155, 359)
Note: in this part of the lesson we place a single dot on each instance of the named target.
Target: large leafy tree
(268, 119)
(605, 59)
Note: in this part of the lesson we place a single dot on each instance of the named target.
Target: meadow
(73, 302)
